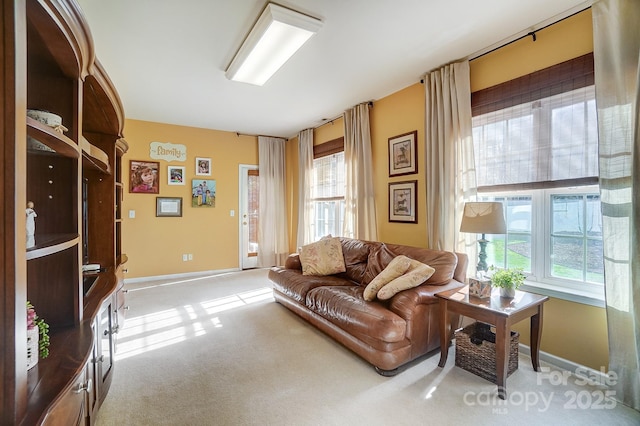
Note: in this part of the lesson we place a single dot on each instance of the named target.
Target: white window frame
(338, 206)
(540, 279)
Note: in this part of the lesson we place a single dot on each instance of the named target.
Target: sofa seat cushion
(345, 307)
(295, 285)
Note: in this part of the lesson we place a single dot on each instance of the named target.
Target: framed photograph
(144, 177)
(203, 193)
(168, 206)
(175, 175)
(403, 155)
(403, 202)
(203, 166)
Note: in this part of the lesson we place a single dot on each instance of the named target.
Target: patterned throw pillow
(323, 257)
(417, 273)
(394, 269)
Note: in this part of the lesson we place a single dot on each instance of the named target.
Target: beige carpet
(218, 350)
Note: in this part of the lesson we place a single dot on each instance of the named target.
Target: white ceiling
(167, 58)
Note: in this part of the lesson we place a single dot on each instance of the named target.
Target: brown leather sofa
(387, 334)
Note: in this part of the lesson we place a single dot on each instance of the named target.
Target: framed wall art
(175, 175)
(403, 202)
(168, 206)
(203, 193)
(203, 166)
(403, 155)
(144, 177)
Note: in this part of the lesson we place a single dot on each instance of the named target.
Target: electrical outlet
(190, 256)
(185, 257)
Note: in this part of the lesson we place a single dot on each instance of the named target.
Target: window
(328, 189)
(537, 152)
(567, 254)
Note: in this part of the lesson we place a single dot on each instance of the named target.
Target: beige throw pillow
(394, 269)
(323, 257)
(416, 274)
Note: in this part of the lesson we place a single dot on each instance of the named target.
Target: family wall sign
(168, 151)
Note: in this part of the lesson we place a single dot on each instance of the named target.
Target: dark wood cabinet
(73, 177)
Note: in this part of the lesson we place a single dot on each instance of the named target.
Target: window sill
(571, 295)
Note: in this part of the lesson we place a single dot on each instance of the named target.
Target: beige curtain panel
(616, 35)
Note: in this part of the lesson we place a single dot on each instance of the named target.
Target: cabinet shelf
(58, 142)
(69, 351)
(48, 244)
(94, 157)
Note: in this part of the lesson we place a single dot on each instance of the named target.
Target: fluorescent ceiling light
(276, 36)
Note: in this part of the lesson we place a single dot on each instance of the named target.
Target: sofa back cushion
(356, 255)
(444, 262)
(323, 257)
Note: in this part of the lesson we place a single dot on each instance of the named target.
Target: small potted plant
(37, 331)
(507, 280)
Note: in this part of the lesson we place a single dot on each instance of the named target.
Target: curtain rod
(238, 134)
(327, 120)
(532, 33)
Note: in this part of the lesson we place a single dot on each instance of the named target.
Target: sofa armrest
(404, 303)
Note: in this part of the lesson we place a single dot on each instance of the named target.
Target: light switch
(232, 213)
(132, 214)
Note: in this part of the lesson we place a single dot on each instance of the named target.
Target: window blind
(538, 131)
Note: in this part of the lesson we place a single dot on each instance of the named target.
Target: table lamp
(483, 217)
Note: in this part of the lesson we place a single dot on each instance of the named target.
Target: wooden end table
(502, 313)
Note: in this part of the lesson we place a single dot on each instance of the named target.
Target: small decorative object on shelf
(47, 118)
(507, 280)
(37, 337)
(31, 225)
(36, 145)
(480, 287)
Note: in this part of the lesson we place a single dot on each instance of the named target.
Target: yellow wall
(155, 245)
(571, 331)
(394, 115)
(291, 163)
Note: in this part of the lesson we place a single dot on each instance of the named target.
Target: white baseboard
(567, 365)
(180, 276)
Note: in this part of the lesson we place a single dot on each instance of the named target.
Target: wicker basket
(476, 351)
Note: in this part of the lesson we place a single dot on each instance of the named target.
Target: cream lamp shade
(483, 218)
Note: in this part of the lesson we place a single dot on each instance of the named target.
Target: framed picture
(403, 155)
(175, 175)
(403, 202)
(144, 177)
(203, 193)
(203, 166)
(169, 206)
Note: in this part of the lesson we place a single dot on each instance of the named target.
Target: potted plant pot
(508, 293)
(507, 280)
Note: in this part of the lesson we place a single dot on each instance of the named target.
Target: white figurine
(31, 225)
